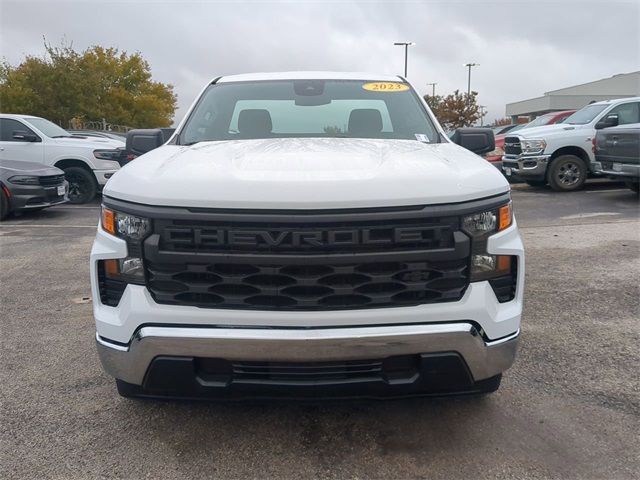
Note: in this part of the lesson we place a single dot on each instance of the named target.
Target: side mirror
(23, 136)
(478, 140)
(141, 141)
(608, 121)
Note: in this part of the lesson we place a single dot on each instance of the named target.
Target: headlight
(483, 224)
(24, 180)
(480, 226)
(134, 230)
(533, 146)
(125, 225)
(112, 154)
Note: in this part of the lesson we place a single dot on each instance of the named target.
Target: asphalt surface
(569, 408)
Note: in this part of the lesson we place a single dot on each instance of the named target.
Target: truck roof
(16, 115)
(253, 77)
(616, 100)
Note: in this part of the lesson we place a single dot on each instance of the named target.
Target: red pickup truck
(495, 156)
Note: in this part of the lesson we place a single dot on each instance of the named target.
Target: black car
(30, 186)
(617, 151)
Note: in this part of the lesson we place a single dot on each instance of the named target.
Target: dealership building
(572, 98)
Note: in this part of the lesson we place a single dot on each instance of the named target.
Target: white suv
(87, 162)
(307, 234)
(562, 154)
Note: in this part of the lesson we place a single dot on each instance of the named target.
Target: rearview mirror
(141, 141)
(478, 140)
(608, 121)
(23, 136)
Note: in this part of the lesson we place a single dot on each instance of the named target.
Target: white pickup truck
(562, 154)
(88, 162)
(307, 234)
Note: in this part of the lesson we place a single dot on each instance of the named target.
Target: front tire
(82, 185)
(634, 186)
(4, 205)
(567, 173)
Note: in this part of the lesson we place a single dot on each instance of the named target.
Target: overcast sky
(524, 48)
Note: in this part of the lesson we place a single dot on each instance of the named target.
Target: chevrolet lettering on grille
(185, 237)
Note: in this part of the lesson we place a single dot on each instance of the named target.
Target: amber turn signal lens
(112, 268)
(108, 221)
(505, 216)
(504, 264)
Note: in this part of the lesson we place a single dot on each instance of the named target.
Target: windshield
(540, 121)
(308, 108)
(518, 127)
(585, 115)
(48, 128)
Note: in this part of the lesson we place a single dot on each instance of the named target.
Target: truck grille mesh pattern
(302, 261)
(321, 371)
(301, 287)
(51, 180)
(512, 146)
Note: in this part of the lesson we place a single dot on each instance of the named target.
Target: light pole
(483, 112)
(433, 88)
(406, 54)
(469, 65)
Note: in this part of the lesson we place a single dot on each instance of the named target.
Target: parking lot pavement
(569, 408)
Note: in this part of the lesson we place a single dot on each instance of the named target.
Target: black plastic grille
(512, 146)
(300, 372)
(111, 291)
(51, 180)
(505, 286)
(308, 286)
(319, 260)
(330, 237)
(391, 370)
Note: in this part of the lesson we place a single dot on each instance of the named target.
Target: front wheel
(4, 205)
(82, 185)
(567, 173)
(634, 186)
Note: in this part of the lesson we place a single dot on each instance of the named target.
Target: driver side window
(8, 126)
(627, 113)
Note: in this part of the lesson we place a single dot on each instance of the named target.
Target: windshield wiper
(65, 136)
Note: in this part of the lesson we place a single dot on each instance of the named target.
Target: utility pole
(483, 112)
(433, 88)
(469, 65)
(406, 54)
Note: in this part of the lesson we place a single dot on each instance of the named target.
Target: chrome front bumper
(130, 362)
(526, 167)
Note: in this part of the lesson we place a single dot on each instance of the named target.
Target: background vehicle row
(562, 155)
(87, 162)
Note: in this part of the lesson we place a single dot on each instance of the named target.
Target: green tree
(499, 122)
(456, 110)
(93, 84)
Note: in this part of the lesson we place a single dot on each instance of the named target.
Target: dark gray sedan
(30, 186)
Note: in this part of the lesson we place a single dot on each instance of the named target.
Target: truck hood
(545, 131)
(14, 167)
(87, 142)
(306, 173)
